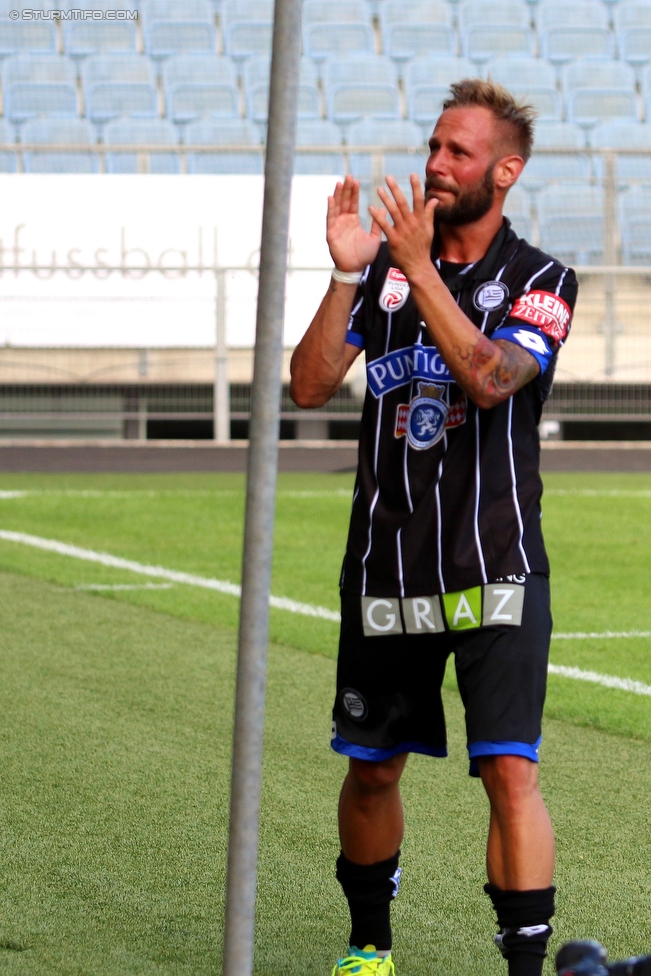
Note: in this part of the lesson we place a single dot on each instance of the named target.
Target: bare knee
(511, 782)
(376, 777)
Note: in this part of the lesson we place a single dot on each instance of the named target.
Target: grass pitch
(115, 724)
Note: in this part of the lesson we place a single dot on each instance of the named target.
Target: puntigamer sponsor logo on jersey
(546, 311)
(404, 365)
(395, 291)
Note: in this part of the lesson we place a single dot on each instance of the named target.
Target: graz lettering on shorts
(401, 366)
(491, 605)
(546, 311)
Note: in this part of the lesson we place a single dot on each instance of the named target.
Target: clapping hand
(351, 247)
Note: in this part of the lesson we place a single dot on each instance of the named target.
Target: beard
(472, 202)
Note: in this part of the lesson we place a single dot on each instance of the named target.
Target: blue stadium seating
(635, 222)
(233, 132)
(571, 222)
(55, 132)
(531, 79)
(141, 132)
(118, 85)
(256, 86)
(518, 209)
(26, 36)
(597, 90)
(85, 38)
(178, 26)
(362, 86)
(38, 84)
(247, 27)
(200, 85)
(490, 28)
(413, 27)
(427, 84)
(571, 29)
(8, 163)
(561, 167)
(318, 132)
(388, 133)
(624, 134)
(332, 28)
(633, 26)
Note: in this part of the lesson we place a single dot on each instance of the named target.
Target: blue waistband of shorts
(477, 750)
(379, 755)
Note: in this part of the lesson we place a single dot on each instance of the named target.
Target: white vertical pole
(610, 258)
(260, 495)
(221, 400)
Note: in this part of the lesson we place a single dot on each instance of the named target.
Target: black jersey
(447, 495)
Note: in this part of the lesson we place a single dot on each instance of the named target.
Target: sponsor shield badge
(394, 292)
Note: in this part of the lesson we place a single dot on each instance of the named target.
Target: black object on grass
(589, 958)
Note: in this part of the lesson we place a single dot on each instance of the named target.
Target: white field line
(607, 680)
(163, 493)
(600, 492)
(116, 562)
(306, 609)
(124, 586)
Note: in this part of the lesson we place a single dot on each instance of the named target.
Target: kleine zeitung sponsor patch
(546, 311)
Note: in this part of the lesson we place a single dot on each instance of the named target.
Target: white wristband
(347, 277)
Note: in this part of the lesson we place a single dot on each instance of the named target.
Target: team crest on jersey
(424, 421)
(395, 291)
(490, 295)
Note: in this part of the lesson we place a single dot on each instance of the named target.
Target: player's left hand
(412, 231)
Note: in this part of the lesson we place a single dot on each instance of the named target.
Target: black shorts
(389, 687)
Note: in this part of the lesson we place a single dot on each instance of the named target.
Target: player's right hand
(351, 247)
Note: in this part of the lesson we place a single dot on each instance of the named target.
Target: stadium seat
(624, 134)
(598, 90)
(390, 133)
(247, 27)
(517, 208)
(541, 170)
(322, 41)
(141, 132)
(481, 13)
(84, 38)
(63, 132)
(200, 85)
(362, 86)
(38, 84)
(256, 87)
(480, 44)
(574, 29)
(635, 223)
(229, 132)
(413, 27)
(8, 163)
(177, 27)
(119, 85)
(25, 36)
(318, 132)
(427, 83)
(633, 26)
(531, 79)
(571, 223)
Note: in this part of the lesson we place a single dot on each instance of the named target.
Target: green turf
(115, 760)
(115, 716)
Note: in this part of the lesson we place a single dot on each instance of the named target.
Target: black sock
(369, 888)
(523, 918)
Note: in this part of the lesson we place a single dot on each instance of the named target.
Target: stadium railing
(604, 373)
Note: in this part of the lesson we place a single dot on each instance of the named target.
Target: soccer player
(461, 322)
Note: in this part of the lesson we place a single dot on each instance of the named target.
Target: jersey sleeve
(540, 316)
(356, 334)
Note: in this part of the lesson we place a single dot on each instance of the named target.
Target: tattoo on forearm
(495, 369)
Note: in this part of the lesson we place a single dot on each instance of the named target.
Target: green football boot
(364, 962)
